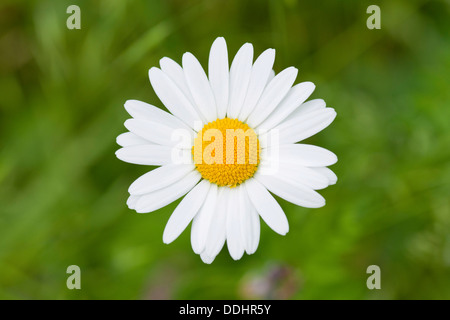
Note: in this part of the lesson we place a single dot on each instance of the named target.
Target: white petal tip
(332, 111)
(128, 122)
(270, 52)
(334, 160)
(219, 39)
(237, 257)
(167, 240)
(247, 46)
(311, 86)
(196, 250)
(128, 105)
(251, 251)
(294, 70)
(319, 204)
(152, 72)
(188, 55)
(236, 253)
(283, 232)
(163, 60)
(207, 259)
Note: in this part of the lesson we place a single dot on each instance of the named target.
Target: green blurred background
(63, 192)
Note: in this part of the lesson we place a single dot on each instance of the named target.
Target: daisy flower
(229, 141)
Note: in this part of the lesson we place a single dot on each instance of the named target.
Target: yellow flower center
(226, 152)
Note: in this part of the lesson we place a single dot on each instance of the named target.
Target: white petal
(219, 75)
(235, 241)
(144, 111)
(199, 86)
(275, 91)
(328, 173)
(147, 154)
(308, 106)
(261, 71)
(217, 231)
(157, 199)
(292, 191)
(267, 207)
(128, 139)
(271, 76)
(303, 154)
(185, 211)
(176, 74)
(256, 229)
(250, 227)
(207, 259)
(131, 201)
(152, 131)
(295, 172)
(159, 178)
(239, 78)
(202, 221)
(173, 98)
(295, 97)
(298, 128)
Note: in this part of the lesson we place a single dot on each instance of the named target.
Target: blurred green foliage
(63, 192)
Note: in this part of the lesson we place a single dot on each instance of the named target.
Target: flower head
(230, 138)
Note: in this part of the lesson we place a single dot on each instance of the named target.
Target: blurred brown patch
(275, 281)
(162, 284)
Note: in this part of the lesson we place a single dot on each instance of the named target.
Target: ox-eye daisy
(223, 129)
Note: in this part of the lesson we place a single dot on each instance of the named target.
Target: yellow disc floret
(226, 152)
